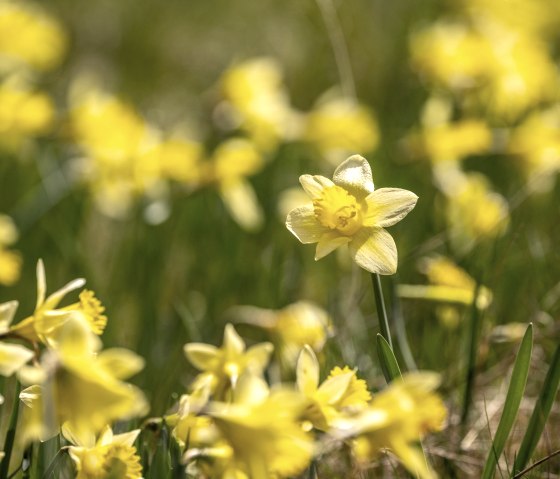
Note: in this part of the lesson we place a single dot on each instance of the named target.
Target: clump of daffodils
(347, 210)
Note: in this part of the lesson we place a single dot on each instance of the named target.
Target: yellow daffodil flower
(29, 37)
(258, 103)
(112, 456)
(10, 261)
(341, 392)
(396, 419)
(12, 356)
(222, 367)
(263, 429)
(290, 328)
(48, 318)
(82, 386)
(337, 127)
(347, 210)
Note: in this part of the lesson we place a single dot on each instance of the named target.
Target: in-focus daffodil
(341, 392)
(397, 419)
(347, 210)
(112, 456)
(222, 367)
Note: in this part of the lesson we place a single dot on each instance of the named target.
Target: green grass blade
(387, 359)
(540, 413)
(513, 400)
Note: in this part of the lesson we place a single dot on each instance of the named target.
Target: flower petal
(258, 356)
(374, 250)
(242, 204)
(13, 357)
(314, 184)
(304, 226)
(7, 312)
(329, 242)
(307, 371)
(387, 206)
(354, 175)
(233, 344)
(202, 356)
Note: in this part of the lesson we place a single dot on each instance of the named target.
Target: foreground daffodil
(397, 419)
(112, 456)
(347, 210)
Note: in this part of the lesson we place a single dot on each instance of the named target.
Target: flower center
(338, 210)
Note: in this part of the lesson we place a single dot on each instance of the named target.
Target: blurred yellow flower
(24, 114)
(222, 367)
(81, 386)
(347, 210)
(29, 37)
(180, 160)
(396, 419)
(232, 162)
(474, 212)
(290, 328)
(536, 142)
(47, 318)
(340, 126)
(112, 456)
(340, 393)
(12, 356)
(257, 102)
(263, 429)
(10, 261)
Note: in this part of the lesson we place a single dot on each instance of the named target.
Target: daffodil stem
(10, 435)
(381, 311)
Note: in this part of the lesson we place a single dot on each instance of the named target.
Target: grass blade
(389, 364)
(513, 400)
(540, 414)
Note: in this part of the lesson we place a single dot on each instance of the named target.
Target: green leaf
(513, 400)
(387, 359)
(540, 413)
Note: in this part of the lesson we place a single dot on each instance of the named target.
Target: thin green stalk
(540, 414)
(389, 364)
(400, 330)
(10, 435)
(474, 336)
(381, 311)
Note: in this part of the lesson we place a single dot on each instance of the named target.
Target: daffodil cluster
(71, 383)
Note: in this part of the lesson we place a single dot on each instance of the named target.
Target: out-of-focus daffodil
(29, 37)
(180, 160)
(24, 114)
(10, 261)
(536, 142)
(82, 386)
(341, 126)
(341, 392)
(222, 367)
(258, 103)
(112, 456)
(347, 210)
(291, 327)
(450, 285)
(475, 212)
(12, 356)
(232, 162)
(263, 429)
(47, 318)
(396, 419)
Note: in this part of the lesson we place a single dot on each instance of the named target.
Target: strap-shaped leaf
(540, 413)
(513, 400)
(387, 359)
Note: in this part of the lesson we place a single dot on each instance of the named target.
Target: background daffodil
(347, 210)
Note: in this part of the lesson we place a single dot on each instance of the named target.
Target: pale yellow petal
(314, 184)
(332, 390)
(387, 206)
(126, 438)
(258, 356)
(13, 357)
(241, 201)
(303, 224)
(202, 356)
(41, 283)
(307, 371)
(412, 458)
(122, 363)
(7, 312)
(233, 343)
(329, 242)
(354, 175)
(374, 250)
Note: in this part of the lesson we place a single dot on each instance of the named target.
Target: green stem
(10, 435)
(400, 330)
(381, 311)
